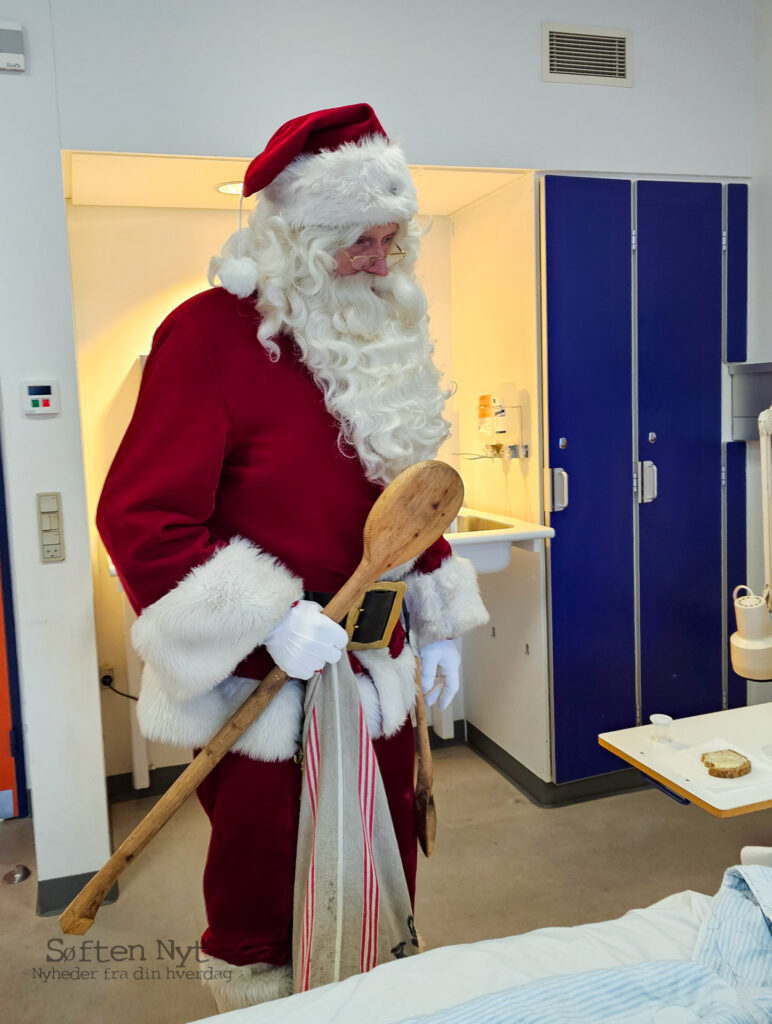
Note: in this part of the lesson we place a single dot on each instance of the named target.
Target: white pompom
(238, 276)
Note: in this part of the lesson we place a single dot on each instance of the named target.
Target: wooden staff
(425, 811)
(409, 515)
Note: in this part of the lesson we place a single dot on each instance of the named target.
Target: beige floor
(501, 866)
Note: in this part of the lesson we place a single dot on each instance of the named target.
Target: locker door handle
(647, 482)
(559, 490)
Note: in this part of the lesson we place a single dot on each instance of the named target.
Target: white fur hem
(387, 695)
(393, 681)
(274, 736)
(195, 635)
(444, 603)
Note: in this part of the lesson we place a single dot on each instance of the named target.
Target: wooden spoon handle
(78, 917)
(425, 811)
(425, 774)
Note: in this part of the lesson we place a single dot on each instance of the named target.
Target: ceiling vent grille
(589, 56)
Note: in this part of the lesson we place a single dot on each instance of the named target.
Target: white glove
(444, 655)
(304, 641)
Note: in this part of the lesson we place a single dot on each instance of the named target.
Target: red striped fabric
(312, 785)
(367, 769)
(352, 905)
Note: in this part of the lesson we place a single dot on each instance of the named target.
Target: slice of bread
(726, 764)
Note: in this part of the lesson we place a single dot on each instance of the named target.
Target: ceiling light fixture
(230, 188)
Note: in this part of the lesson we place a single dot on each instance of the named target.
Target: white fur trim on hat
(444, 603)
(359, 183)
(194, 636)
(238, 274)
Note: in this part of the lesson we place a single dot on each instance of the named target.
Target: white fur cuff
(196, 635)
(444, 603)
(275, 734)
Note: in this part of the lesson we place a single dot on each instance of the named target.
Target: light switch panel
(50, 527)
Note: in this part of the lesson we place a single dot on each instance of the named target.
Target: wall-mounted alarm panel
(40, 398)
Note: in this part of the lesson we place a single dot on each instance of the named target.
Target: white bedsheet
(728, 979)
(444, 977)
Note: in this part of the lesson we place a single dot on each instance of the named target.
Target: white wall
(760, 263)
(459, 83)
(130, 268)
(760, 310)
(495, 343)
(53, 603)
(760, 294)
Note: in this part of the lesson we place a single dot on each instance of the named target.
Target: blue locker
(736, 352)
(589, 381)
(672, 367)
(737, 274)
(679, 226)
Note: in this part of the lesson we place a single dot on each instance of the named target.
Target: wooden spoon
(410, 514)
(424, 809)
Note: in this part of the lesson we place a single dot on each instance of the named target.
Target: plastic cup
(661, 730)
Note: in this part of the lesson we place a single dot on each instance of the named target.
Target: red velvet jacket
(225, 443)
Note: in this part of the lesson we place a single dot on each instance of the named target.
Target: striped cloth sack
(352, 908)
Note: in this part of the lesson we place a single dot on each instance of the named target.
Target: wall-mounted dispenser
(500, 425)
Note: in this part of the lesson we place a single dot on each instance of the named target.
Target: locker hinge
(634, 239)
(723, 240)
(635, 484)
(723, 476)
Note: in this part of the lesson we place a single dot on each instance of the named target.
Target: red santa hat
(331, 168)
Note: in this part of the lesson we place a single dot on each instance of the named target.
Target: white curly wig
(363, 337)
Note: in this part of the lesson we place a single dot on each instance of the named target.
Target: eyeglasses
(363, 262)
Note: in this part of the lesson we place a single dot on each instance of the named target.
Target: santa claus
(272, 411)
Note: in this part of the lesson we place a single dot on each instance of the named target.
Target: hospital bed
(688, 958)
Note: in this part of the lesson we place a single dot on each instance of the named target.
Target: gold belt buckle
(399, 589)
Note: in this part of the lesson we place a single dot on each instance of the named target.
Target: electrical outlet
(106, 675)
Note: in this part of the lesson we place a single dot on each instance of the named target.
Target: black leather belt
(370, 625)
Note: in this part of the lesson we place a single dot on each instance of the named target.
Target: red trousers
(253, 807)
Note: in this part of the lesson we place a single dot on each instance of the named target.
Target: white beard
(365, 340)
